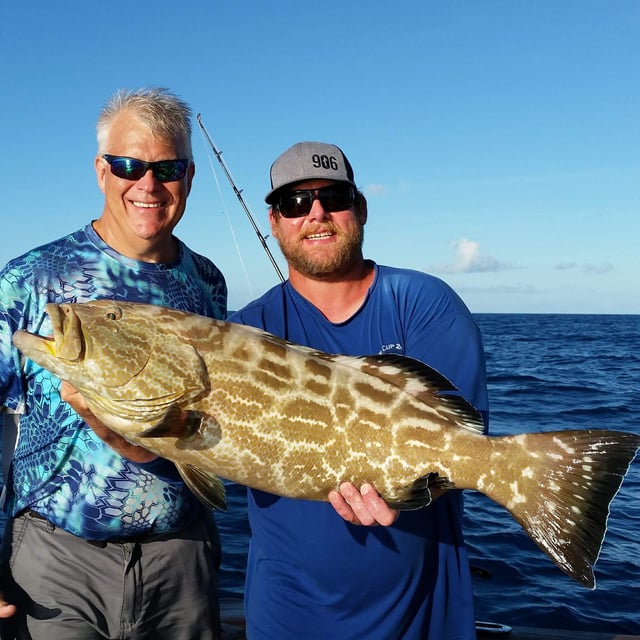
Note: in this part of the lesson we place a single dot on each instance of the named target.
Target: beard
(324, 263)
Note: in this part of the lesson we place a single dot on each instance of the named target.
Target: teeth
(147, 205)
(316, 236)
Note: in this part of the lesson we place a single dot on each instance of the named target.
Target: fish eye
(114, 314)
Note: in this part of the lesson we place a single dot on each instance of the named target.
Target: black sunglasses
(335, 197)
(134, 169)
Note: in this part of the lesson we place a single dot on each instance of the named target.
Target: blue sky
(497, 141)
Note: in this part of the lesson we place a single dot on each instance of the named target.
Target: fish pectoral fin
(207, 487)
(203, 432)
(175, 423)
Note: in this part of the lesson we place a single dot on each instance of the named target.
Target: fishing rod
(238, 192)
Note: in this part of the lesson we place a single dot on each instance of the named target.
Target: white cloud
(469, 259)
(505, 289)
(566, 266)
(376, 189)
(587, 267)
(603, 267)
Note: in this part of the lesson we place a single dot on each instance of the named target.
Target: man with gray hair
(104, 540)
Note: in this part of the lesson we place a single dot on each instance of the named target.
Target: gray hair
(166, 115)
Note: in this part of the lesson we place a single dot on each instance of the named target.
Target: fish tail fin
(573, 477)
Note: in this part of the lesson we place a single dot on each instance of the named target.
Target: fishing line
(226, 215)
(262, 238)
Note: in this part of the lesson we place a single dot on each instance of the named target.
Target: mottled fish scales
(226, 400)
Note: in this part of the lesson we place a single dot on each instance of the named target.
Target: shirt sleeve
(15, 306)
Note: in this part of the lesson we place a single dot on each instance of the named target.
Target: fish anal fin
(207, 487)
(422, 492)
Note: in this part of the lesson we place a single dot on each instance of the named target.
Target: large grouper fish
(226, 400)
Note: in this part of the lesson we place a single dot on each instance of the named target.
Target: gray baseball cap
(309, 161)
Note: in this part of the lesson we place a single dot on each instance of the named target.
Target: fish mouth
(55, 352)
(67, 342)
(31, 344)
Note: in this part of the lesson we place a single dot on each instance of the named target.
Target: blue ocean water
(545, 372)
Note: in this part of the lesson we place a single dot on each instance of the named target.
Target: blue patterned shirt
(60, 468)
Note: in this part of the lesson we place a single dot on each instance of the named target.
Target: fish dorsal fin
(419, 380)
(430, 377)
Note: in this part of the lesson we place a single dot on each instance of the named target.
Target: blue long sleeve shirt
(310, 574)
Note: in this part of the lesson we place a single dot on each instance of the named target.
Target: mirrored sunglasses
(335, 197)
(134, 169)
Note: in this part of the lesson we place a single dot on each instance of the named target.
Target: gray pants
(66, 588)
